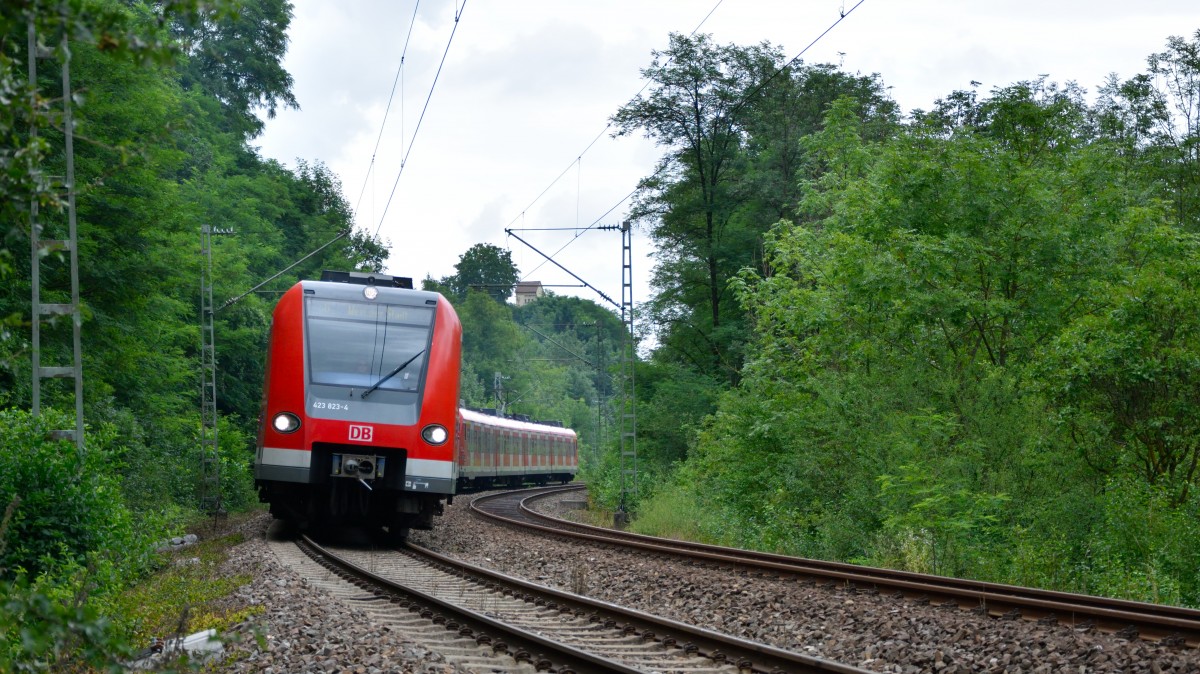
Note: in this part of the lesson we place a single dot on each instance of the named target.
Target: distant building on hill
(528, 291)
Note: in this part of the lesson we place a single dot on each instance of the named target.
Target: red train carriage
(496, 451)
(360, 421)
(360, 403)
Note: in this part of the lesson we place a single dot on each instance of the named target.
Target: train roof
(513, 424)
(342, 290)
(367, 278)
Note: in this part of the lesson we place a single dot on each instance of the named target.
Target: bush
(673, 512)
(1147, 546)
(69, 503)
(50, 627)
(67, 544)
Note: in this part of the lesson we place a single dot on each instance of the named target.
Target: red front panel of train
(312, 374)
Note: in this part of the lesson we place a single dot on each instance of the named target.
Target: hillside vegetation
(962, 340)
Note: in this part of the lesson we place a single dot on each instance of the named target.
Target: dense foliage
(962, 341)
(969, 345)
(165, 104)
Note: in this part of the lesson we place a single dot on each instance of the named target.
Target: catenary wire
(404, 161)
(599, 135)
(841, 16)
(391, 96)
(458, 10)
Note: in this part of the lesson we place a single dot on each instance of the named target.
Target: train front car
(359, 404)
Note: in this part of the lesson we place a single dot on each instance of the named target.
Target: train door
(473, 444)
(487, 442)
(462, 443)
(487, 448)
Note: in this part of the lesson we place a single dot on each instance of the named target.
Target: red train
(360, 418)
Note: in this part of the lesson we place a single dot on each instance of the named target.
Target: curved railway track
(1169, 624)
(493, 622)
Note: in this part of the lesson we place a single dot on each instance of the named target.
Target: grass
(191, 592)
(672, 514)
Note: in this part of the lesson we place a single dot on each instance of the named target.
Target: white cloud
(528, 84)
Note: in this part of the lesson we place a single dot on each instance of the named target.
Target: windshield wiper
(391, 374)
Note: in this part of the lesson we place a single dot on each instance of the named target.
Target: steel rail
(1176, 625)
(470, 623)
(748, 655)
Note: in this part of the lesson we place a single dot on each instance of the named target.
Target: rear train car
(509, 452)
(360, 404)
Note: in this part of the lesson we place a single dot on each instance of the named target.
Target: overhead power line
(281, 272)
(745, 97)
(404, 161)
(549, 258)
(383, 124)
(346, 232)
(600, 135)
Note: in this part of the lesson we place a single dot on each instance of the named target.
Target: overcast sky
(527, 85)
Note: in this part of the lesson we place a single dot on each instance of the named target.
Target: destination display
(369, 311)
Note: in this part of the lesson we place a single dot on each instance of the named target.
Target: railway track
(486, 621)
(1170, 625)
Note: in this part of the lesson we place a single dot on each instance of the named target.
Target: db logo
(361, 433)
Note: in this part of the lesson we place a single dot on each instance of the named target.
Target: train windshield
(356, 344)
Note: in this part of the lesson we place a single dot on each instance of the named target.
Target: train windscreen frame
(357, 344)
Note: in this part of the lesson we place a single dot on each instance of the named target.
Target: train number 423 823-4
(322, 405)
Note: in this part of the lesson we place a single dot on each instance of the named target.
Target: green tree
(1176, 130)
(695, 110)
(486, 268)
(491, 342)
(1124, 376)
(731, 119)
(954, 354)
(236, 57)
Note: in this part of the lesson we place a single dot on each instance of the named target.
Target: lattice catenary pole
(210, 456)
(628, 411)
(40, 246)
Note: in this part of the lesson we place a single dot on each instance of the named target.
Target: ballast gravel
(302, 629)
(875, 632)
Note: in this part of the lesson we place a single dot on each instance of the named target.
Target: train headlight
(370, 292)
(286, 422)
(434, 434)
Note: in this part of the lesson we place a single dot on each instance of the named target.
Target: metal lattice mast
(628, 411)
(600, 369)
(627, 407)
(210, 458)
(40, 246)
